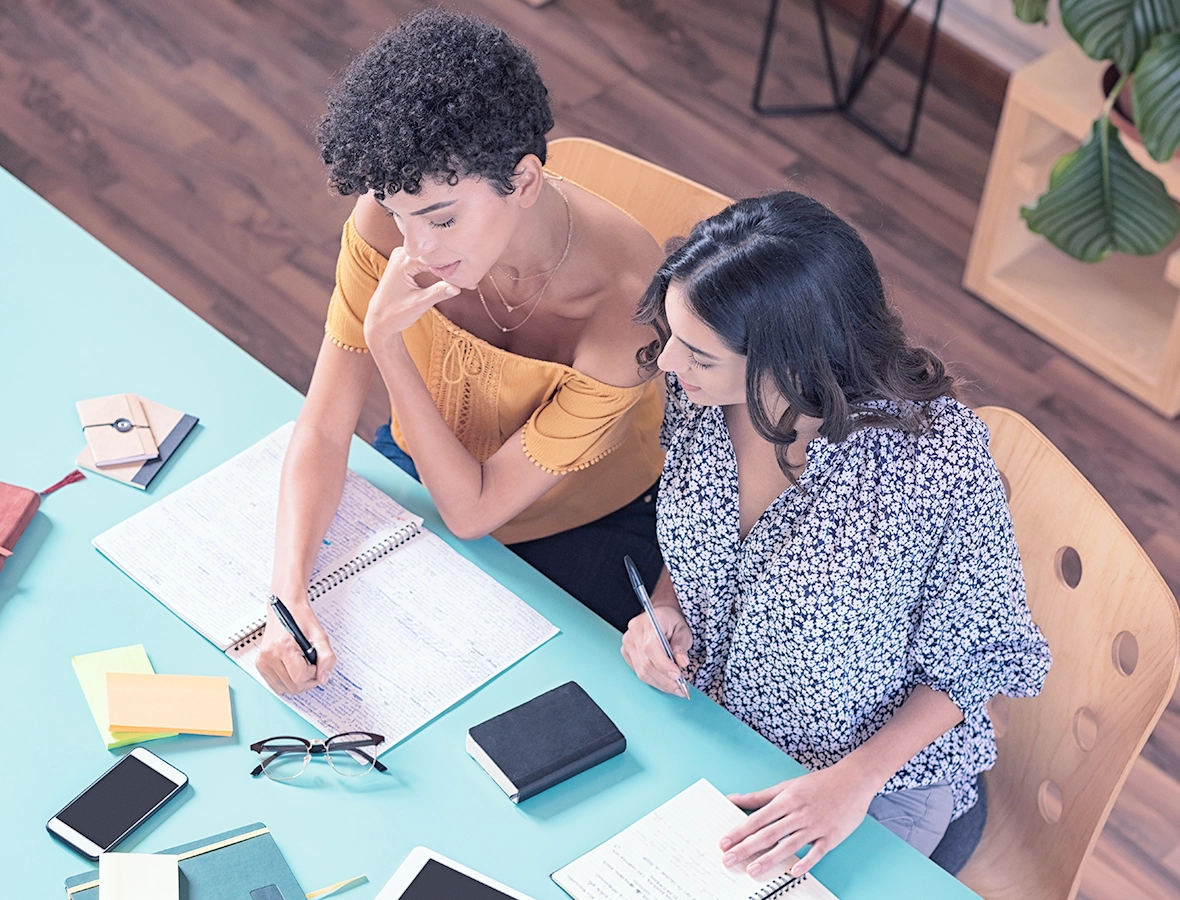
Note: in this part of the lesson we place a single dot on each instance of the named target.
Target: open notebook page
(672, 854)
(413, 635)
(206, 550)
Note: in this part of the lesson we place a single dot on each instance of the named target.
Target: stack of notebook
(129, 438)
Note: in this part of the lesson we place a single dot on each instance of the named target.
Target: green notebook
(245, 863)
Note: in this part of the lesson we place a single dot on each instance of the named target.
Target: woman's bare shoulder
(614, 233)
(624, 257)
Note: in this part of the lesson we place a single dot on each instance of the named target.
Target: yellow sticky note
(138, 876)
(92, 668)
(190, 704)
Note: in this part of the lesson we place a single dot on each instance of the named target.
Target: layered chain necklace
(535, 299)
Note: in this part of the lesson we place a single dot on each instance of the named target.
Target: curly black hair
(442, 96)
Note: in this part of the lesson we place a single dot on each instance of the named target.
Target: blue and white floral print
(891, 563)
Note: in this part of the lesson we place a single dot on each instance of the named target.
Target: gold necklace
(512, 307)
(569, 235)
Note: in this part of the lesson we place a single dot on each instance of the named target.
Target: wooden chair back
(1114, 631)
(664, 203)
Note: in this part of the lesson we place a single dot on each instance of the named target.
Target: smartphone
(118, 803)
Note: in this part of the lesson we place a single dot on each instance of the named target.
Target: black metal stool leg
(764, 58)
(870, 49)
(863, 65)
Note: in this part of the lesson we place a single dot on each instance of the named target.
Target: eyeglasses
(285, 757)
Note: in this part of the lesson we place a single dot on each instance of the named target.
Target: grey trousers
(919, 816)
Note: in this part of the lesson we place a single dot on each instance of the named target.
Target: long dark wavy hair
(789, 285)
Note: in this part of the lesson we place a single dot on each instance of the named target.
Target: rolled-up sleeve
(358, 269)
(579, 423)
(975, 636)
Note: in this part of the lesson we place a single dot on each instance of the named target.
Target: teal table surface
(77, 322)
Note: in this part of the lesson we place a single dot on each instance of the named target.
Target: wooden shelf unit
(1120, 317)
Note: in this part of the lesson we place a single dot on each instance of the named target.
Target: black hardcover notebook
(548, 739)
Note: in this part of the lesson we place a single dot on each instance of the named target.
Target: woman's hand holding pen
(280, 661)
(820, 808)
(645, 654)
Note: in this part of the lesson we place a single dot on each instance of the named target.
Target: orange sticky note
(189, 704)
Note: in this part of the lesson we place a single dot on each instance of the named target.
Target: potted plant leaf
(1100, 200)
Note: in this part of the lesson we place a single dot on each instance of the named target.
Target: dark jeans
(586, 561)
(963, 835)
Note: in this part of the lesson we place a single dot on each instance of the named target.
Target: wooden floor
(179, 133)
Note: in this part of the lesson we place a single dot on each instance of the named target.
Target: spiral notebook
(415, 625)
(673, 852)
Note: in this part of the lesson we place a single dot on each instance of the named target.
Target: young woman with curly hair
(495, 301)
(841, 569)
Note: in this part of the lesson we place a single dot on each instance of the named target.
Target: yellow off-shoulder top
(605, 437)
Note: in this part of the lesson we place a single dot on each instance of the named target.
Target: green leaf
(1100, 200)
(1155, 97)
(1032, 11)
(1120, 30)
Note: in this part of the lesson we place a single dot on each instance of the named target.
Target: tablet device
(426, 875)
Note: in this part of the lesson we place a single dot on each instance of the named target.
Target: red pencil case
(18, 505)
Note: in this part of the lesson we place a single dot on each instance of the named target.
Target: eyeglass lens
(351, 754)
(284, 758)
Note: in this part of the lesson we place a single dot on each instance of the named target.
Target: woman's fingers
(299, 675)
(437, 293)
(325, 661)
(399, 300)
(645, 654)
(758, 842)
(815, 854)
(820, 808)
(286, 671)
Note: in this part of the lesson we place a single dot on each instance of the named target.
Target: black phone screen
(115, 803)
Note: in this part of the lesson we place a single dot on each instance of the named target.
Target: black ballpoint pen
(292, 626)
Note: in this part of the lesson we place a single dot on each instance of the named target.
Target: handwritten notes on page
(672, 852)
(207, 549)
(413, 635)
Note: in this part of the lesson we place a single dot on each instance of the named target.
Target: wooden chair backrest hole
(1085, 729)
(1069, 567)
(1049, 801)
(1125, 651)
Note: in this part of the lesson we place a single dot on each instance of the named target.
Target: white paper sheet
(138, 876)
(672, 854)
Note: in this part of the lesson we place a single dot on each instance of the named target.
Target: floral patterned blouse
(891, 563)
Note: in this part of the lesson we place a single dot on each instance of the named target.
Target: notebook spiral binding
(777, 888)
(254, 631)
(321, 586)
